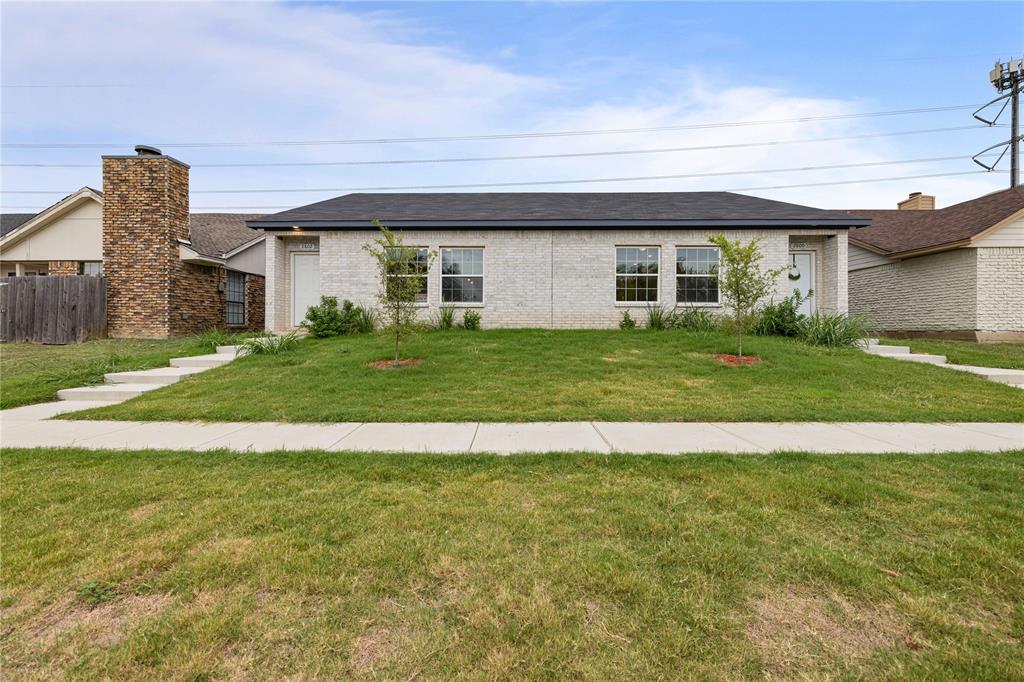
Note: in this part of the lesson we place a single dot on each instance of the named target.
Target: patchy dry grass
(163, 565)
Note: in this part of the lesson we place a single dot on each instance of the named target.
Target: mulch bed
(736, 360)
(390, 363)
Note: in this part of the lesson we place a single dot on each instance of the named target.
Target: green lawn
(163, 565)
(1010, 355)
(536, 375)
(33, 373)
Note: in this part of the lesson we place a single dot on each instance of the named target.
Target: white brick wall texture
(1001, 289)
(533, 278)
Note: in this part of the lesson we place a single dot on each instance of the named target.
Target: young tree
(403, 282)
(742, 283)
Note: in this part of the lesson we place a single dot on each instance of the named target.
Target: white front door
(801, 276)
(305, 284)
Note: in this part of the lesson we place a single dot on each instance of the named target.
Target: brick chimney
(917, 202)
(145, 212)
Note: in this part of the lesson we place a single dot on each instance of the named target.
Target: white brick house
(557, 260)
(956, 272)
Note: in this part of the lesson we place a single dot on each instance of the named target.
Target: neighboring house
(955, 272)
(168, 272)
(550, 259)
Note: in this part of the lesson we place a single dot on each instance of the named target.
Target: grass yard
(33, 373)
(163, 565)
(542, 375)
(1009, 355)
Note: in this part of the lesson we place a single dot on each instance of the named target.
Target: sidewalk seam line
(223, 435)
(737, 436)
(335, 443)
(472, 440)
(611, 448)
(964, 425)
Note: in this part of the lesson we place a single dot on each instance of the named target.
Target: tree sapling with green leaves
(403, 282)
(742, 282)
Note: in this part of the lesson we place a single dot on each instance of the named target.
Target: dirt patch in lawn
(390, 364)
(795, 628)
(373, 648)
(736, 360)
(107, 623)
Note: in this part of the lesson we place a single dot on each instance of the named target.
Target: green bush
(695, 319)
(213, 337)
(627, 321)
(325, 319)
(658, 318)
(782, 318)
(270, 345)
(471, 320)
(445, 318)
(832, 329)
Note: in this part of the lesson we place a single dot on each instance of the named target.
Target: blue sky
(257, 72)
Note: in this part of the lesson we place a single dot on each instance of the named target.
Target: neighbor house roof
(895, 232)
(215, 234)
(12, 221)
(552, 209)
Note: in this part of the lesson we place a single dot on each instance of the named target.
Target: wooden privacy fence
(51, 309)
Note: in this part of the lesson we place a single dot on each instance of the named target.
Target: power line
(528, 183)
(251, 207)
(566, 155)
(499, 136)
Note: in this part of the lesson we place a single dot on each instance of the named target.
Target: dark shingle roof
(535, 209)
(214, 234)
(898, 231)
(12, 221)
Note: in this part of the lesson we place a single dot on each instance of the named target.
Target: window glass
(697, 274)
(462, 271)
(636, 274)
(418, 268)
(90, 268)
(236, 298)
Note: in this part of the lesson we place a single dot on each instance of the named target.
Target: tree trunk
(397, 337)
(739, 336)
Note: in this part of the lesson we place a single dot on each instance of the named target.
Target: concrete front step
(105, 392)
(213, 360)
(888, 350)
(920, 357)
(227, 350)
(1014, 377)
(159, 375)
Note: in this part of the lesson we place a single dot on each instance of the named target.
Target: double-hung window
(636, 274)
(416, 267)
(236, 297)
(462, 275)
(90, 267)
(697, 275)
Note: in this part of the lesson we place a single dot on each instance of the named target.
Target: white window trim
(426, 303)
(482, 276)
(675, 282)
(615, 276)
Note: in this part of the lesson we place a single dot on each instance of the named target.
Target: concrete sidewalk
(31, 426)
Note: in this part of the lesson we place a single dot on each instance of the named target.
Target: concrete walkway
(1011, 377)
(31, 426)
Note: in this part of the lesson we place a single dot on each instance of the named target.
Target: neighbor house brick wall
(532, 278)
(255, 301)
(145, 210)
(198, 298)
(927, 293)
(1000, 289)
(62, 267)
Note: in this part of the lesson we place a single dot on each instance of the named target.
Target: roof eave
(832, 223)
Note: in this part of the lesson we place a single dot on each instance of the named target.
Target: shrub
(695, 320)
(445, 318)
(627, 322)
(213, 337)
(832, 329)
(471, 320)
(325, 319)
(782, 318)
(658, 318)
(269, 345)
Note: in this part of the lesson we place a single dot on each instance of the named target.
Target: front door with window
(801, 277)
(305, 284)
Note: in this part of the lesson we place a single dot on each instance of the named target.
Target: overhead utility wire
(497, 136)
(523, 157)
(542, 182)
(250, 207)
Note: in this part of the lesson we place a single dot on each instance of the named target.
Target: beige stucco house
(955, 272)
(550, 259)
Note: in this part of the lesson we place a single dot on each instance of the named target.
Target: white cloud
(202, 72)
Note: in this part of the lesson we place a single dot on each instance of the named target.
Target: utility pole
(1007, 79)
